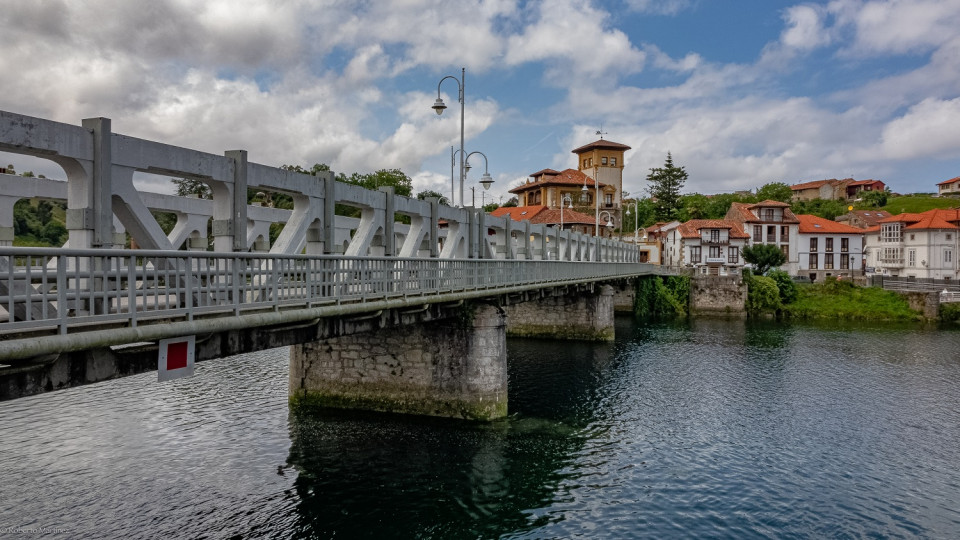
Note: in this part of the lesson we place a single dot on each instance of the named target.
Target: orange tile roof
(602, 143)
(569, 177)
(545, 171)
(816, 225)
(518, 213)
(770, 203)
(864, 182)
(691, 229)
(937, 218)
(541, 214)
(816, 184)
(741, 212)
(950, 181)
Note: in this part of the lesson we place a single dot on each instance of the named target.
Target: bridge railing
(61, 290)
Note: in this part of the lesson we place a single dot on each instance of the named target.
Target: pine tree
(665, 185)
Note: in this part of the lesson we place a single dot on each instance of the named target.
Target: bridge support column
(454, 368)
(576, 314)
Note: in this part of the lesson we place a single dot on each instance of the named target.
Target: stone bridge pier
(453, 367)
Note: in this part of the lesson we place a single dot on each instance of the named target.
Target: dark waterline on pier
(708, 429)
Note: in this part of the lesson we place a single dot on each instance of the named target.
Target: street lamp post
(439, 107)
(636, 223)
(609, 220)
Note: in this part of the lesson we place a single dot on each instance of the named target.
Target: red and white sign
(176, 358)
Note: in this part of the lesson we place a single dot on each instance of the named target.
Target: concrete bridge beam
(574, 314)
(454, 368)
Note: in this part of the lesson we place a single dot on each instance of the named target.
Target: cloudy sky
(742, 93)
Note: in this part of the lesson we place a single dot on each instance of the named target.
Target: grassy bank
(844, 300)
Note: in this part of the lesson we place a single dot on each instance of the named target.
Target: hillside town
(861, 242)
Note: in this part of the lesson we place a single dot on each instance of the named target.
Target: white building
(710, 246)
(770, 222)
(920, 245)
(828, 248)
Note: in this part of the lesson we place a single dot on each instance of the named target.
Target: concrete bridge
(403, 309)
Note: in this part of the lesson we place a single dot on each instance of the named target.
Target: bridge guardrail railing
(63, 290)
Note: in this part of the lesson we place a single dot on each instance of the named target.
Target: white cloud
(897, 26)
(575, 39)
(930, 128)
(805, 28)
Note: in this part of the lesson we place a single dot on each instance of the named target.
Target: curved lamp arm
(486, 179)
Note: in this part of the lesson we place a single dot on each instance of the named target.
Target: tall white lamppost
(636, 224)
(439, 106)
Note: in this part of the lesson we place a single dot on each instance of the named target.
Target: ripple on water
(713, 429)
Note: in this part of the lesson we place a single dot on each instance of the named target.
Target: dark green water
(713, 429)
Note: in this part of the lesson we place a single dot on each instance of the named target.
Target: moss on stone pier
(447, 408)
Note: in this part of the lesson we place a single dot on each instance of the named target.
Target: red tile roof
(569, 177)
(950, 181)
(542, 214)
(864, 182)
(816, 184)
(546, 171)
(740, 212)
(691, 229)
(937, 218)
(816, 225)
(601, 144)
(869, 217)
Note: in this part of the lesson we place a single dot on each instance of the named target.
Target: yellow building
(602, 161)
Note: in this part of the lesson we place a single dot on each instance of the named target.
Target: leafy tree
(874, 199)
(490, 207)
(54, 232)
(426, 194)
(763, 257)
(27, 174)
(44, 212)
(665, 185)
(693, 206)
(511, 202)
(825, 208)
(762, 294)
(190, 186)
(775, 191)
(786, 285)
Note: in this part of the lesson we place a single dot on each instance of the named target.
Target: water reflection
(365, 475)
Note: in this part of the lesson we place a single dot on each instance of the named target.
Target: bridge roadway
(401, 257)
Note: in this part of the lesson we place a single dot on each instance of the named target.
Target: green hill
(918, 203)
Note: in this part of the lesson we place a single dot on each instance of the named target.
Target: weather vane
(601, 132)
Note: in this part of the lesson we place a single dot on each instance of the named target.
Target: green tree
(825, 208)
(511, 202)
(693, 206)
(190, 186)
(786, 285)
(665, 185)
(763, 257)
(428, 193)
(775, 191)
(762, 294)
(874, 199)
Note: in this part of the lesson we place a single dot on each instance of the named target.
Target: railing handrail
(63, 290)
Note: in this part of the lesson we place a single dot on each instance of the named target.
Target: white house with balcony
(770, 222)
(828, 248)
(709, 246)
(920, 245)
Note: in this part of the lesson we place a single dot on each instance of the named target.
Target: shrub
(762, 295)
(788, 289)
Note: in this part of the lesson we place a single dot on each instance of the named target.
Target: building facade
(922, 245)
(828, 248)
(770, 222)
(949, 187)
(709, 246)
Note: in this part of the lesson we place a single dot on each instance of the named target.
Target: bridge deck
(62, 293)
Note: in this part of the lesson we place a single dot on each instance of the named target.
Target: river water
(710, 428)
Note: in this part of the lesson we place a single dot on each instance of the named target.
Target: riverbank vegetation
(832, 299)
(662, 297)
